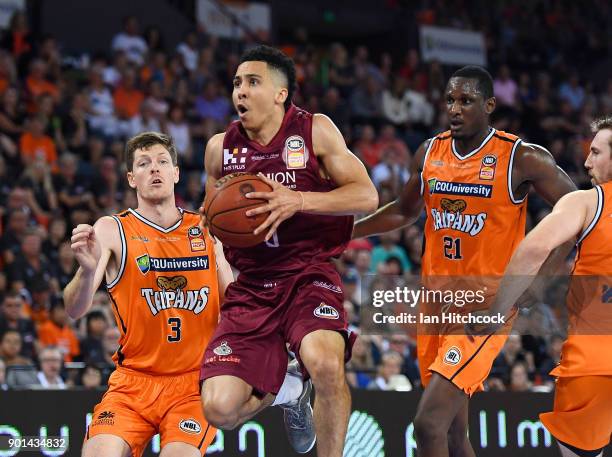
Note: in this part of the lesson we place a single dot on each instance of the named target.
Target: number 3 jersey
(304, 239)
(474, 223)
(165, 297)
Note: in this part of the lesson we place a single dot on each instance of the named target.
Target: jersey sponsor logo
(223, 349)
(286, 178)
(144, 263)
(234, 160)
(190, 426)
(487, 168)
(177, 263)
(452, 356)
(144, 239)
(328, 286)
(196, 239)
(437, 163)
(173, 293)
(105, 418)
(265, 157)
(326, 312)
(459, 188)
(295, 154)
(606, 294)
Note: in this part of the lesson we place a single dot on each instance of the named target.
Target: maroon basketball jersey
(289, 159)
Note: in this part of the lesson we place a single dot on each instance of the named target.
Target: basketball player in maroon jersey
(287, 291)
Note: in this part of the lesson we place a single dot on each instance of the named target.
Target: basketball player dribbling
(287, 290)
(581, 419)
(473, 181)
(164, 276)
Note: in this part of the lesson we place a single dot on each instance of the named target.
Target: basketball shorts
(448, 351)
(137, 406)
(259, 317)
(582, 412)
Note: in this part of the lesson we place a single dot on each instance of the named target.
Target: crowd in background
(63, 125)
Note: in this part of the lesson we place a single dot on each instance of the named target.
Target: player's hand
(282, 204)
(86, 247)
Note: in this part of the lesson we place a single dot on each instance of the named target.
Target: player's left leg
(323, 354)
(458, 443)
(439, 405)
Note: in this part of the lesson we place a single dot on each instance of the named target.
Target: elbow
(370, 201)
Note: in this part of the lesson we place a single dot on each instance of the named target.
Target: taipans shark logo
(451, 216)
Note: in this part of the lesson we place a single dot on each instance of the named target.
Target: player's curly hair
(603, 123)
(276, 59)
(145, 140)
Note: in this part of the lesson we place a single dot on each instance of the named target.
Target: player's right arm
(212, 159)
(404, 210)
(93, 248)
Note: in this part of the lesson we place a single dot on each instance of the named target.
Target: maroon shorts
(259, 317)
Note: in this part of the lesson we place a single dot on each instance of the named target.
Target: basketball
(226, 206)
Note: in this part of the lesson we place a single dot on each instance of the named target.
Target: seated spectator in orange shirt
(34, 143)
(127, 96)
(37, 84)
(57, 332)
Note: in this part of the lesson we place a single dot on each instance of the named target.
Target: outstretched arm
(404, 210)
(565, 222)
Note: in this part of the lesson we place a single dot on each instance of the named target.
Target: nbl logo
(452, 356)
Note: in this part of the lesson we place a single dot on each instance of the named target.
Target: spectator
(390, 375)
(212, 105)
(91, 377)
(519, 381)
(34, 144)
(341, 72)
(38, 307)
(178, 128)
(57, 332)
(127, 98)
(18, 39)
(572, 92)
(387, 248)
(110, 344)
(333, 106)
(10, 349)
(505, 88)
(74, 192)
(366, 147)
(92, 349)
(56, 235)
(37, 84)
(50, 368)
(11, 318)
(511, 353)
(109, 185)
(31, 265)
(130, 42)
(10, 242)
(146, 121)
(366, 101)
(37, 180)
(361, 369)
(101, 105)
(553, 358)
(67, 265)
(11, 116)
(189, 51)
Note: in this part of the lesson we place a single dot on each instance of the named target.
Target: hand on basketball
(86, 247)
(282, 204)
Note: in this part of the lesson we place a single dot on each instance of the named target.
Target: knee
(220, 410)
(427, 428)
(327, 373)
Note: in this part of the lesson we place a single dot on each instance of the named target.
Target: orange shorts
(463, 362)
(137, 406)
(582, 413)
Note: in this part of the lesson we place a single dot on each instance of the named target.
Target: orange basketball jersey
(474, 223)
(589, 299)
(165, 296)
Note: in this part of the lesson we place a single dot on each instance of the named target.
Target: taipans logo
(452, 356)
(364, 436)
(295, 153)
(223, 349)
(326, 312)
(459, 188)
(234, 160)
(190, 426)
(487, 168)
(453, 206)
(147, 263)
